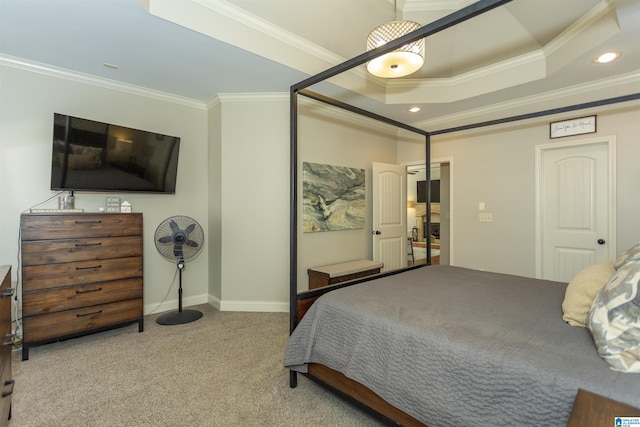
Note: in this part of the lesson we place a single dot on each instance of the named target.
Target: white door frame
(610, 140)
(452, 175)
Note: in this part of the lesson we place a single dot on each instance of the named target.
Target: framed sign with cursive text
(576, 126)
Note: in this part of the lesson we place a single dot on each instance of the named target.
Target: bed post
(293, 222)
(451, 20)
(427, 169)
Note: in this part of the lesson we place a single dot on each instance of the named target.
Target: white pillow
(614, 319)
(630, 254)
(582, 290)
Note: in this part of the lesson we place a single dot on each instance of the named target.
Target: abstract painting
(333, 198)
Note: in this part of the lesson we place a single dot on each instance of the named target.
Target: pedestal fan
(179, 238)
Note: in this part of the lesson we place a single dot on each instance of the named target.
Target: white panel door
(576, 208)
(390, 215)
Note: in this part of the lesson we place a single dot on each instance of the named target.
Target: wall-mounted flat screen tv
(421, 191)
(94, 156)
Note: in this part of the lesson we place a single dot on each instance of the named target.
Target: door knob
(375, 232)
(601, 241)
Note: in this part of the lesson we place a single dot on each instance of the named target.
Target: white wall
(214, 195)
(29, 100)
(496, 165)
(234, 179)
(254, 203)
(332, 136)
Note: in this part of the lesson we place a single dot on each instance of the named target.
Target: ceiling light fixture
(414, 109)
(401, 62)
(607, 57)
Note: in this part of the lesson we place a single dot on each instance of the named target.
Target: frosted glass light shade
(401, 62)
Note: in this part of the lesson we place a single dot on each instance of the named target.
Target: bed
(444, 345)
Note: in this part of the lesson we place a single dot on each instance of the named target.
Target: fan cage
(168, 228)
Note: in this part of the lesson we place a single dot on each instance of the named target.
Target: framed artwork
(570, 127)
(333, 198)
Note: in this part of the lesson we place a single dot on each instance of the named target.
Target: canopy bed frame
(300, 302)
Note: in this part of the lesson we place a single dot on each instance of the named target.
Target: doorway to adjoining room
(437, 237)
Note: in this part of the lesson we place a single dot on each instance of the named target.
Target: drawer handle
(6, 383)
(8, 292)
(89, 268)
(88, 290)
(96, 221)
(10, 392)
(89, 314)
(8, 340)
(88, 244)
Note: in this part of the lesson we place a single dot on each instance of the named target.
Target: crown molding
(434, 5)
(265, 27)
(506, 65)
(531, 66)
(625, 83)
(580, 26)
(236, 26)
(528, 67)
(226, 98)
(233, 25)
(254, 97)
(63, 73)
(338, 114)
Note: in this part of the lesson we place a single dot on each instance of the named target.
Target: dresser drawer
(36, 277)
(47, 326)
(71, 297)
(69, 226)
(38, 252)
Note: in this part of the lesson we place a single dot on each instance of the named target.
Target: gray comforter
(452, 346)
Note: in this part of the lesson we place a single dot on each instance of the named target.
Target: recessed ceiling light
(607, 57)
(414, 109)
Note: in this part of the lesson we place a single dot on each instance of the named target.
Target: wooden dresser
(6, 292)
(81, 273)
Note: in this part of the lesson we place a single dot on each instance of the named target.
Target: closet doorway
(439, 237)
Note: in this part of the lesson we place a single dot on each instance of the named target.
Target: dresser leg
(141, 325)
(25, 352)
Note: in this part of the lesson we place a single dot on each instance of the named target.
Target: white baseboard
(173, 304)
(256, 306)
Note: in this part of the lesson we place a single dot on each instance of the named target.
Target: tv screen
(421, 191)
(92, 156)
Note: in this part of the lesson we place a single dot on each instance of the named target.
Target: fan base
(179, 317)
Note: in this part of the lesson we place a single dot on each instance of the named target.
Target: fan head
(179, 238)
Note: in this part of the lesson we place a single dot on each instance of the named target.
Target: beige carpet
(222, 370)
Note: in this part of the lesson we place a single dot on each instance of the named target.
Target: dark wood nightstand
(593, 410)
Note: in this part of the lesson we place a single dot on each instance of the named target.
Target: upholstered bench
(342, 272)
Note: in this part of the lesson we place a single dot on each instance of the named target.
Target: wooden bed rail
(360, 396)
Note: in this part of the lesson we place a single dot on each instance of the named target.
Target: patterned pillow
(632, 253)
(614, 319)
(582, 290)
